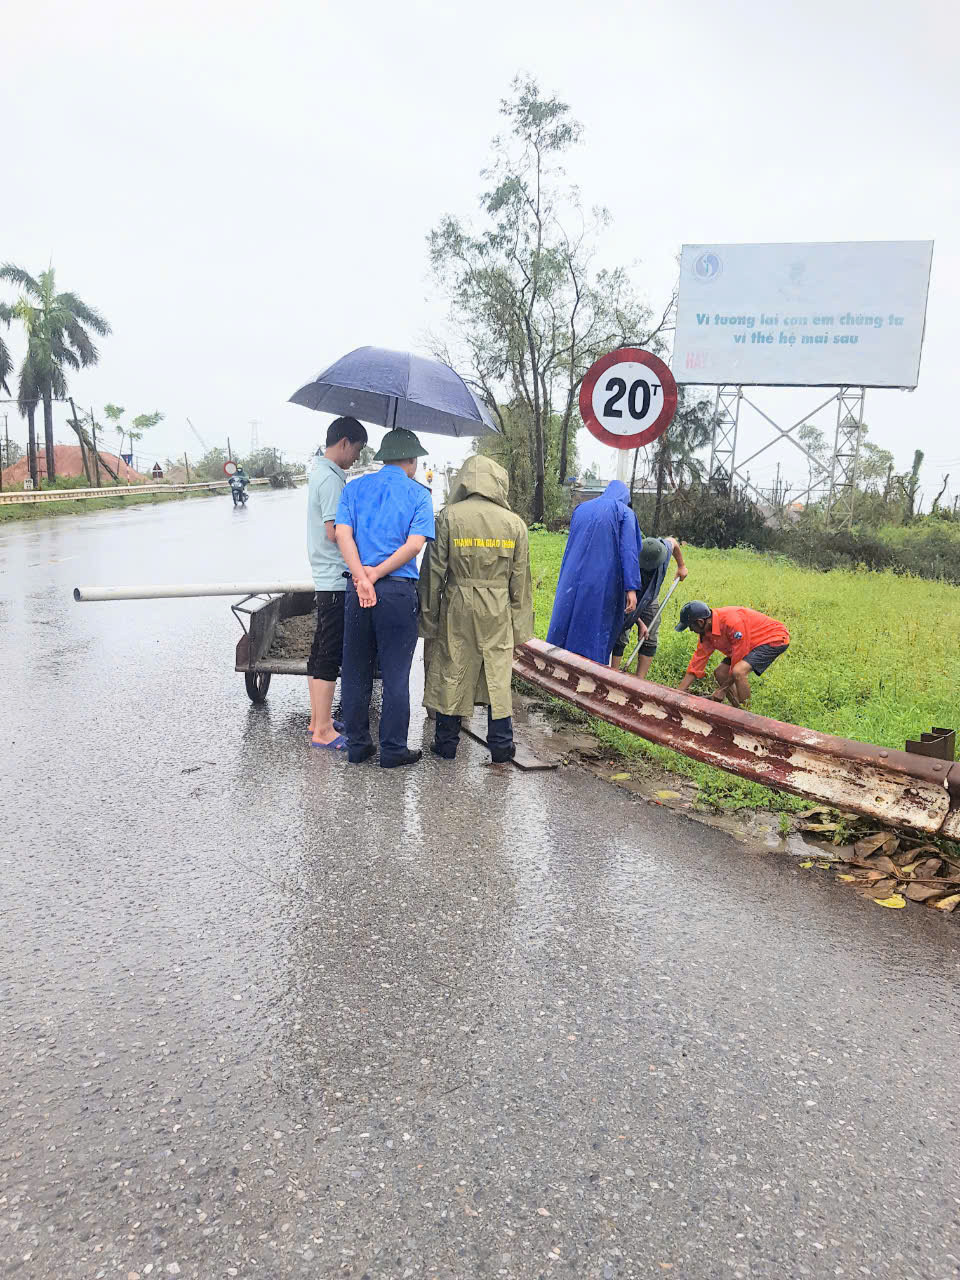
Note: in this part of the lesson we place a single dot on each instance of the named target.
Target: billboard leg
(723, 445)
(846, 456)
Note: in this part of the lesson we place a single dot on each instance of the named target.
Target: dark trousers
(499, 735)
(386, 633)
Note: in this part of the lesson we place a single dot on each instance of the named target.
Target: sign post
(627, 399)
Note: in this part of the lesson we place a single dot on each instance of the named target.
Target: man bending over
(750, 640)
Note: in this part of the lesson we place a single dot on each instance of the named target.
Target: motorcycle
(238, 489)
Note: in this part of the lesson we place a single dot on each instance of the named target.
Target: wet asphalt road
(264, 1014)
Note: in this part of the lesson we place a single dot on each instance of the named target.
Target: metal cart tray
(262, 615)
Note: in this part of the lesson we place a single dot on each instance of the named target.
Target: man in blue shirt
(345, 439)
(383, 522)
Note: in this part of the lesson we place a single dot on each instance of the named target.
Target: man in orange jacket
(750, 640)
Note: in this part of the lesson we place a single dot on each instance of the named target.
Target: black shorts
(326, 654)
(761, 657)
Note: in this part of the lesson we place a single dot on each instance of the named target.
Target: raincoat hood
(483, 476)
(617, 490)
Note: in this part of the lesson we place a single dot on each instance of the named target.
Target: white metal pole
(178, 591)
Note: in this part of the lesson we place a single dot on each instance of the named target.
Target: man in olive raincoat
(476, 605)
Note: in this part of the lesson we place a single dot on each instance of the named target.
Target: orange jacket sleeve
(701, 656)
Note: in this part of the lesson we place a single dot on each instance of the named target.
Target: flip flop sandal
(338, 744)
(337, 724)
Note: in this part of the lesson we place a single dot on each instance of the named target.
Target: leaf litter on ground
(874, 870)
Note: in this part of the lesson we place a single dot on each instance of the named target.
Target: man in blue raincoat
(599, 576)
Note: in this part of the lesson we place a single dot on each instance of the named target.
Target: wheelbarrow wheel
(257, 682)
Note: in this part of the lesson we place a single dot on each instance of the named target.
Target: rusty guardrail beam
(890, 786)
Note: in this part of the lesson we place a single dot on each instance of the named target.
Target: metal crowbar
(626, 661)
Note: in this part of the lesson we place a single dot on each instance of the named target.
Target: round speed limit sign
(230, 468)
(628, 398)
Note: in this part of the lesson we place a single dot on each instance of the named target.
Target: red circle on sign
(230, 467)
(632, 355)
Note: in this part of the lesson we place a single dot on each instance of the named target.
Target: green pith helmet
(399, 444)
(653, 554)
(692, 611)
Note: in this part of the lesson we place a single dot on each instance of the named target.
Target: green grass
(80, 506)
(873, 656)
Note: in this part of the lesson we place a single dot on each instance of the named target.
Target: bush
(706, 519)
(930, 549)
(834, 549)
(927, 548)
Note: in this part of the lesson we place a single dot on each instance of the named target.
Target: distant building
(583, 491)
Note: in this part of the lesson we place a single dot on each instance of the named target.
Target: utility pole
(186, 465)
(7, 435)
(229, 451)
(96, 451)
(75, 423)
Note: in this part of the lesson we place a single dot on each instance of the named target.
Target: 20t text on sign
(628, 398)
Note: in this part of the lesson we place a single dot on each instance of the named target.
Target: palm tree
(6, 363)
(28, 397)
(675, 456)
(6, 360)
(57, 327)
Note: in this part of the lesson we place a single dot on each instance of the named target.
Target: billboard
(806, 315)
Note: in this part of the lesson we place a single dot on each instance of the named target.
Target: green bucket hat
(653, 554)
(399, 444)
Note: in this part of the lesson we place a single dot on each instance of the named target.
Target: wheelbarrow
(253, 648)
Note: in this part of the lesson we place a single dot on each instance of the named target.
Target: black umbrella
(397, 389)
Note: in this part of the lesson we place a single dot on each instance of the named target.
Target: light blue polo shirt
(383, 510)
(324, 487)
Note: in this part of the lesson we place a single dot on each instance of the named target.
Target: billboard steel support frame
(838, 476)
(846, 456)
(723, 443)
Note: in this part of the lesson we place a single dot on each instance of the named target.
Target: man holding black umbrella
(384, 520)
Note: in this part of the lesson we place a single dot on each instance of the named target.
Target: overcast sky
(245, 190)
